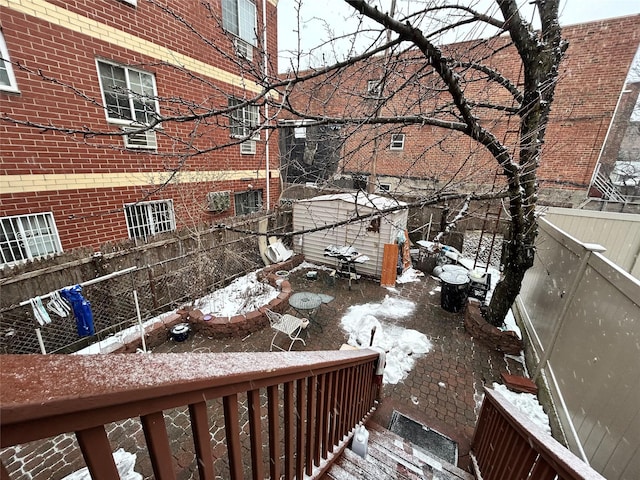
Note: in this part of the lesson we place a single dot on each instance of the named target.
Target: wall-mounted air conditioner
(143, 140)
(218, 201)
(243, 49)
(248, 147)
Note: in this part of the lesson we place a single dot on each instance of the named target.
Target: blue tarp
(81, 310)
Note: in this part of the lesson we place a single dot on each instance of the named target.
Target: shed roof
(365, 199)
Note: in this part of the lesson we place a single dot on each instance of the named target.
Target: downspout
(267, 134)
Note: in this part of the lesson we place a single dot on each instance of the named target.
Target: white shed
(368, 236)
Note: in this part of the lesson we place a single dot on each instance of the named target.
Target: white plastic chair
(287, 324)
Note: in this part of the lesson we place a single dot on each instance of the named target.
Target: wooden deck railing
(507, 445)
(308, 403)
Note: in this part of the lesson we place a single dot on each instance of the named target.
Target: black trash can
(454, 290)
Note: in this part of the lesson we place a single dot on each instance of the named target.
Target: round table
(306, 303)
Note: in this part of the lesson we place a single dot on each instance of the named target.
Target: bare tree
(461, 91)
(412, 83)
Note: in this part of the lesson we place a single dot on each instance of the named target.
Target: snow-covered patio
(435, 371)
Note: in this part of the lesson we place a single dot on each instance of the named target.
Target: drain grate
(424, 437)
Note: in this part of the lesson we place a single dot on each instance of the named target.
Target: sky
(319, 18)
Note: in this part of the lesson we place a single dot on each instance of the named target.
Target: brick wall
(85, 179)
(591, 78)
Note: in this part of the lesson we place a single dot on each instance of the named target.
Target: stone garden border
(221, 327)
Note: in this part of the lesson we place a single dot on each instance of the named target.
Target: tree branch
(356, 218)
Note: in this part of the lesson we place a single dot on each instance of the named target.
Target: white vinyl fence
(581, 313)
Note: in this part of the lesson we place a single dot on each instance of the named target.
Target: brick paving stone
(456, 360)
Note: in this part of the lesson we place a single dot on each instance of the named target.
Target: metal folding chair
(287, 324)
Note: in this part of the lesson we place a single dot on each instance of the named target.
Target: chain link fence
(160, 288)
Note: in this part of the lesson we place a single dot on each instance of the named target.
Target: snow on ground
(115, 341)
(402, 345)
(471, 246)
(410, 275)
(243, 295)
(125, 463)
(528, 404)
(306, 265)
(510, 324)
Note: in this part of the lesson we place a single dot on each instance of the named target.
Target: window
(384, 187)
(248, 202)
(374, 88)
(397, 141)
(244, 120)
(129, 98)
(25, 237)
(239, 18)
(7, 79)
(360, 182)
(129, 95)
(149, 218)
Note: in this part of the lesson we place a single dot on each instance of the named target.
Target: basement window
(145, 219)
(25, 237)
(248, 202)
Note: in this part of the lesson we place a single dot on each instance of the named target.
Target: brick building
(93, 95)
(419, 160)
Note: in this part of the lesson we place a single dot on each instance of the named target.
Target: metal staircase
(604, 185)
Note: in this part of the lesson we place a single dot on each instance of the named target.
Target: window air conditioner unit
(218, 201)
(141, 140)
(243, 49)
(248, 147)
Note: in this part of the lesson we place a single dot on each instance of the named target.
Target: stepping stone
(326, 298)
(517, 383)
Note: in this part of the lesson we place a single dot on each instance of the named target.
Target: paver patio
(443, 391)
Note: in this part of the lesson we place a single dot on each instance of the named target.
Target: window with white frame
(7, 78)
(149, 218)
(397, 141)
(244, 120)
(239, 18)
(384, 187)
(248, 202)
(374, 88)
(24, 237)
(129, 95)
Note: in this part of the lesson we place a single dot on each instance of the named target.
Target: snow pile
(410, 275)
(243, 295)
(510, 324)
(307, 265)
(402, 345)
(528, 404)
(125, 463)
